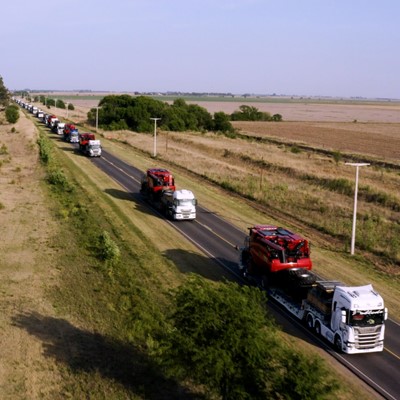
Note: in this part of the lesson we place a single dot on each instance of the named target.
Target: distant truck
(71, 134)
(158, 187)
(351, 318)
(89, 146)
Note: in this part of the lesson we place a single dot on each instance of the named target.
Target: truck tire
(310, 322)
(338, 344)
(301, 276)
(317, 328)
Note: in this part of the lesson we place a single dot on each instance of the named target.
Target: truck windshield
(186, 202)
(95, 146)
(366, 317)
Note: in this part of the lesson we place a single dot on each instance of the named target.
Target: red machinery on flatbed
(155, 182)
(270, 249)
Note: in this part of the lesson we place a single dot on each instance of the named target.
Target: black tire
(301, 276)
(338, 344)
(310, 322)
(317, 328)
(264, 282)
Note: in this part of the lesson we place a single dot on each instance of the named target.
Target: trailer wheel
(264, 282)
(338, 343)
(318, 328)
(310, 322)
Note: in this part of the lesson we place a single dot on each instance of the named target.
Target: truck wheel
(302, 276)
(264, 282)
(338, 343)
(318, 328)
(310, 322)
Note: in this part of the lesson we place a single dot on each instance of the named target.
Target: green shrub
(12, 114)
(57, 177)
(108, 249)
(295, 149)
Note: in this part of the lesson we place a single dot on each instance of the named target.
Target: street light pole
(353, 233)
(155, 136)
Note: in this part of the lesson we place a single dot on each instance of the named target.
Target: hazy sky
(294, 47)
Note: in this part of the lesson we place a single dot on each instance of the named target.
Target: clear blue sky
(340, 48)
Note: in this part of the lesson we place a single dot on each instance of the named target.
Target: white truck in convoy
(179, 204)
(352, 318)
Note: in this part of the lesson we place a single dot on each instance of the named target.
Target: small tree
(12, 114)
(60, 104)
(220, 338)
(222, 123)
(4, 94)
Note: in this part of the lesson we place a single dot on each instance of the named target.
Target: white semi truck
(179, 204)
(352, 318)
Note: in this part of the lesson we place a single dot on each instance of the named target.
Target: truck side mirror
(385, 314)
(343, 315)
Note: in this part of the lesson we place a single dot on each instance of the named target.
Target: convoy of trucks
(352, 318)
(158, 187)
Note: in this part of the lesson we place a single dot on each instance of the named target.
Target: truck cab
(179, 204)
(350, 317)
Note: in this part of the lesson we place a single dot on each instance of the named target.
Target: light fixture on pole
(155, 136)
(353, 233)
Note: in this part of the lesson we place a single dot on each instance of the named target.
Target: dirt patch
(26, 266)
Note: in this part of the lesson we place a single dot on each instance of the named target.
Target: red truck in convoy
(88, 145)
(158, 187)
(269, 249)
(155, 182)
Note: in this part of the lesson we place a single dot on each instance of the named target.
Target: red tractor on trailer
(155, 182)
(271, 251)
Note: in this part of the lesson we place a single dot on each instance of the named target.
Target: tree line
(118, 112)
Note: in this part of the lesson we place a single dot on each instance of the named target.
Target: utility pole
(353, 233)
(155, 136)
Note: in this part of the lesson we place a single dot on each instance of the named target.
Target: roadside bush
(12, 114)
(44, 149)
(108, 249)
(57, 178)
(71, 106)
